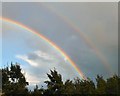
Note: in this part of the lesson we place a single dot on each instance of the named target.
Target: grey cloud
(97, 20)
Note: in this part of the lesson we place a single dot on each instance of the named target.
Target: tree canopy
(14, 84)
(13, 80)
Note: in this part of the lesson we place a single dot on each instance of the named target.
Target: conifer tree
(13, 80)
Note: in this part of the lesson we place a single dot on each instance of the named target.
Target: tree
(101, 85)
(55, 84)
(14, 84)
(0, 82)
(37, 91)
(112, 85)
(69, 88)
(84, 86)
(13, 81)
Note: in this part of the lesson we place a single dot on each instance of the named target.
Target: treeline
(14, 84)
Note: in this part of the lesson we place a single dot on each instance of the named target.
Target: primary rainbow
(49, 42)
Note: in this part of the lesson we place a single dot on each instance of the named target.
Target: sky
(86, 32)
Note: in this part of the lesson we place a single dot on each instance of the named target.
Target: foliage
(101, 85)
(55, 84)
(14, 84)
(13, 80)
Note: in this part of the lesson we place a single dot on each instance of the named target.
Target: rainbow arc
(48, 41)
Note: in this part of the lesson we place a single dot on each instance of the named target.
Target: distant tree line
(14, 84)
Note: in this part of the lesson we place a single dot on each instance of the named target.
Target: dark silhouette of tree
(37, 91)
(101, 85)
(84, 86)
(0, 82)
(55, 84)
(13, 81)
(69, 87)
(14, 84)
(112, 85)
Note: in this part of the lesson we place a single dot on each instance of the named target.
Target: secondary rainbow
(86, 39)
(48, 41)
